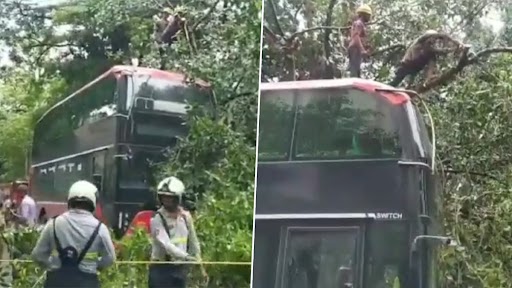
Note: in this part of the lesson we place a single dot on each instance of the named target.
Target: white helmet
(171, 186)
(83, 189)
(430, 32)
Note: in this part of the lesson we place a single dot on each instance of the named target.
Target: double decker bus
(110, 132)
(345, 193)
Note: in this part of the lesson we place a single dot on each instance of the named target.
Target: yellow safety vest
(396, 283)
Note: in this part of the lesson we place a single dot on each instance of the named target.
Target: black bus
(110, 132)
(345, 193)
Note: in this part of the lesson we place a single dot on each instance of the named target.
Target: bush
(121, 275)
(217, 164)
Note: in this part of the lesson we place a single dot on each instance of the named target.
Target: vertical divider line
(257, 142)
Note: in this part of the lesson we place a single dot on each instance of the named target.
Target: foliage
(121, 274)
(57, 49)
(218, 166)
(471, 111)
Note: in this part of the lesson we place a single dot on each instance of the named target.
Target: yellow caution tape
(230, 263)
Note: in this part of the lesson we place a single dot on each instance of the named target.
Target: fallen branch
(394, 48)
(270, 34)
(480, 174)
(464, 61)
(329, 72)
(287, 45)
(274, 16)
(489, 51)
(205, 16)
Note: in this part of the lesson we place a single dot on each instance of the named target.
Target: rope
(432, 125)
(433, 131)
(126, 262)
(39, 280)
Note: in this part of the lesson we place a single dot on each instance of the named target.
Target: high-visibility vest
(396, 283)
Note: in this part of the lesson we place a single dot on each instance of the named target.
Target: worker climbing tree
(167, 24)
(423, 54)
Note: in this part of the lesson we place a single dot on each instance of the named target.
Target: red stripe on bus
(126, 69)
(395, 98)
(56, 208)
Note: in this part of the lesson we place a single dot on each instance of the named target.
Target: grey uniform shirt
(181, 231)
(74, 228)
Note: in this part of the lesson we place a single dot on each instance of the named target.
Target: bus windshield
(326, 124)
(306, 254)
(160, 89)
(314, 256)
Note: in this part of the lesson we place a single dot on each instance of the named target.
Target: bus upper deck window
(276, 124)
(329, 118)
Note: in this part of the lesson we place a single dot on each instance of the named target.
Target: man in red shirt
(356, 46)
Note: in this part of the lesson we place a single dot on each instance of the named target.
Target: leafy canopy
(57, 49)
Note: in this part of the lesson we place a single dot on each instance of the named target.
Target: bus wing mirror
(433, 240)
(414, 255)
(443, 240)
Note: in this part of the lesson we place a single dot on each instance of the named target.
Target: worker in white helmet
(82, 242)
(173, 237)
(422, 55)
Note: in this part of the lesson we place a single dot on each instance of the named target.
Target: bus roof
(127, 70)
(395, 98)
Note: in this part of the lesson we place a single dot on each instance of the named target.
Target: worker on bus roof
(173, 237)
(82, 243)
(358, 40)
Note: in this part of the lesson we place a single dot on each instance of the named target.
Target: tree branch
(51, 45)
(394, 48)
(274, 16)
(464, 61)
(329, 72)
(205, 16)
(471, 173)
(487, 52)
(270, 34)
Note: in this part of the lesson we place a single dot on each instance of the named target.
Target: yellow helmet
(364, 9)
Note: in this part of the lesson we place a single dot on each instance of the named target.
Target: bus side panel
(51, 182)
(88, 137)
(266, 251)
(98, 134)
(330, 187)
(123, 130)
(83, 122)
(133, 182)
(109, 190)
